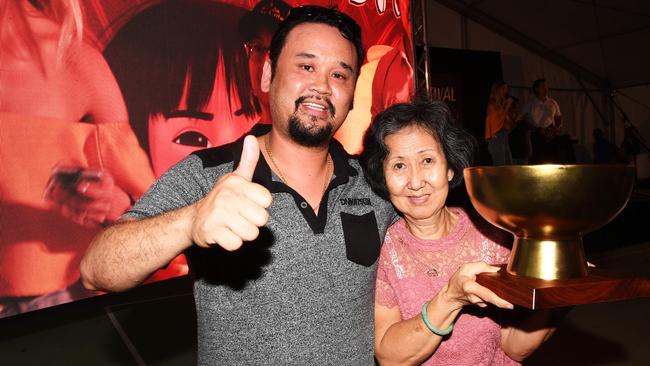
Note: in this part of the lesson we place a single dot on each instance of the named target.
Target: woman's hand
(463, 289)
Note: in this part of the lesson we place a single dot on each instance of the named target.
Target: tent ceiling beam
(522, 40)
(602, 37)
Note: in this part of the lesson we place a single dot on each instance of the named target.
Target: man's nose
(321, 83)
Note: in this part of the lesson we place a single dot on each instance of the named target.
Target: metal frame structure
(419, 24)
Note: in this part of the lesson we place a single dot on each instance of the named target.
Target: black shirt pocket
(362, 242)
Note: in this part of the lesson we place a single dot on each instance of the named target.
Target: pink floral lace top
(411, 271)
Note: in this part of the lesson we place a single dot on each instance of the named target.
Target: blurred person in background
(256, 28)
(499, 123)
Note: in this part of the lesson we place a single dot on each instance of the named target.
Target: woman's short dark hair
(434, 117)
(349, 29)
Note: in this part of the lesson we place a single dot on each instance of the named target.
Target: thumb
(250, 154)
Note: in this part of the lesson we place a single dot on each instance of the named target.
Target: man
(257, 28)
(545, 119)
(283, 248)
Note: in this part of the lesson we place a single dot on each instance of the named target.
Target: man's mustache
(330, 106)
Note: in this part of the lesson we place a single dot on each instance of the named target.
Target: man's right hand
(235, 208)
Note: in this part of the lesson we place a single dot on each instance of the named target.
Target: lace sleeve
(494, 252)
(384, 293)
(501, 253)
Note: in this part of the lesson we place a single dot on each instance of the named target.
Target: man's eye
(192, 138)
(307, 67)
(338, 75)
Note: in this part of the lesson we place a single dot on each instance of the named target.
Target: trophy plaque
(548, 208)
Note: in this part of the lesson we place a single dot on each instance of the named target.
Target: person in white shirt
(545, 118)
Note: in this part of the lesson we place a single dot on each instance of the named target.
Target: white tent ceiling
(603, 42)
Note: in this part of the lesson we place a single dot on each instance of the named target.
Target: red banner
(100, 97)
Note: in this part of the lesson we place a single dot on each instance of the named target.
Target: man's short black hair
(458, 146)
(537, 83)
(349, 29)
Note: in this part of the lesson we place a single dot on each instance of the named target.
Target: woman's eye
(307, 67)
(399, 166)
(428, 160)
(192, 138)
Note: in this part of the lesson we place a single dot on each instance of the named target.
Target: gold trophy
(548, 208)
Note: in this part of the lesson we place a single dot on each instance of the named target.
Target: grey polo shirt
(303, 291)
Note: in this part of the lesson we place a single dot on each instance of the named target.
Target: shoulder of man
(215, 156)
(554, 104)
(384, 209)
(231, 152)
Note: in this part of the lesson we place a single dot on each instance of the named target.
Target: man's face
(313, 86)
(173, 137)
(542, 90)
(503, 91)
(257, 50)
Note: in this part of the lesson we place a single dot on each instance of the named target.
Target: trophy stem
(548, 259)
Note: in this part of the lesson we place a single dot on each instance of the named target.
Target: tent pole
(420, 38)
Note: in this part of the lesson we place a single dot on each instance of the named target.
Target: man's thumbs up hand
(249, 156)
(235, 208)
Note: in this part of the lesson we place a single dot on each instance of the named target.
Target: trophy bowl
(548, 208)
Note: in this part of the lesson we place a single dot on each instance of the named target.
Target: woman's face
(503, 90)
(416, 173)
(173, 138)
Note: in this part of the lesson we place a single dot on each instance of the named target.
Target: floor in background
(155, 324)
(611, 333)
(151, 325)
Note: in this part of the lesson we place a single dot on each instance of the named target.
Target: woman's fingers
(480, 295)
(464, 288)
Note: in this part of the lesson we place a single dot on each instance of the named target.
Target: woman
(498, 123)
(431, 256)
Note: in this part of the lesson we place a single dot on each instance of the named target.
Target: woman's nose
(416, 180)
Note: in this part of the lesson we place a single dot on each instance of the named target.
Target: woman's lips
(419, 199)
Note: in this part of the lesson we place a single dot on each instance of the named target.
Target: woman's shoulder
(396, 229)
(477, 225)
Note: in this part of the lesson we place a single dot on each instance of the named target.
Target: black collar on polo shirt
(262, 174)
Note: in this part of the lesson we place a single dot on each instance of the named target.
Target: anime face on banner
(100, 97)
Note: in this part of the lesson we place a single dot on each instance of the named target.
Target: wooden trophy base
(533, 293)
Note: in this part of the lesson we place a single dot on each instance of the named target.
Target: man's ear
(266, 76)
